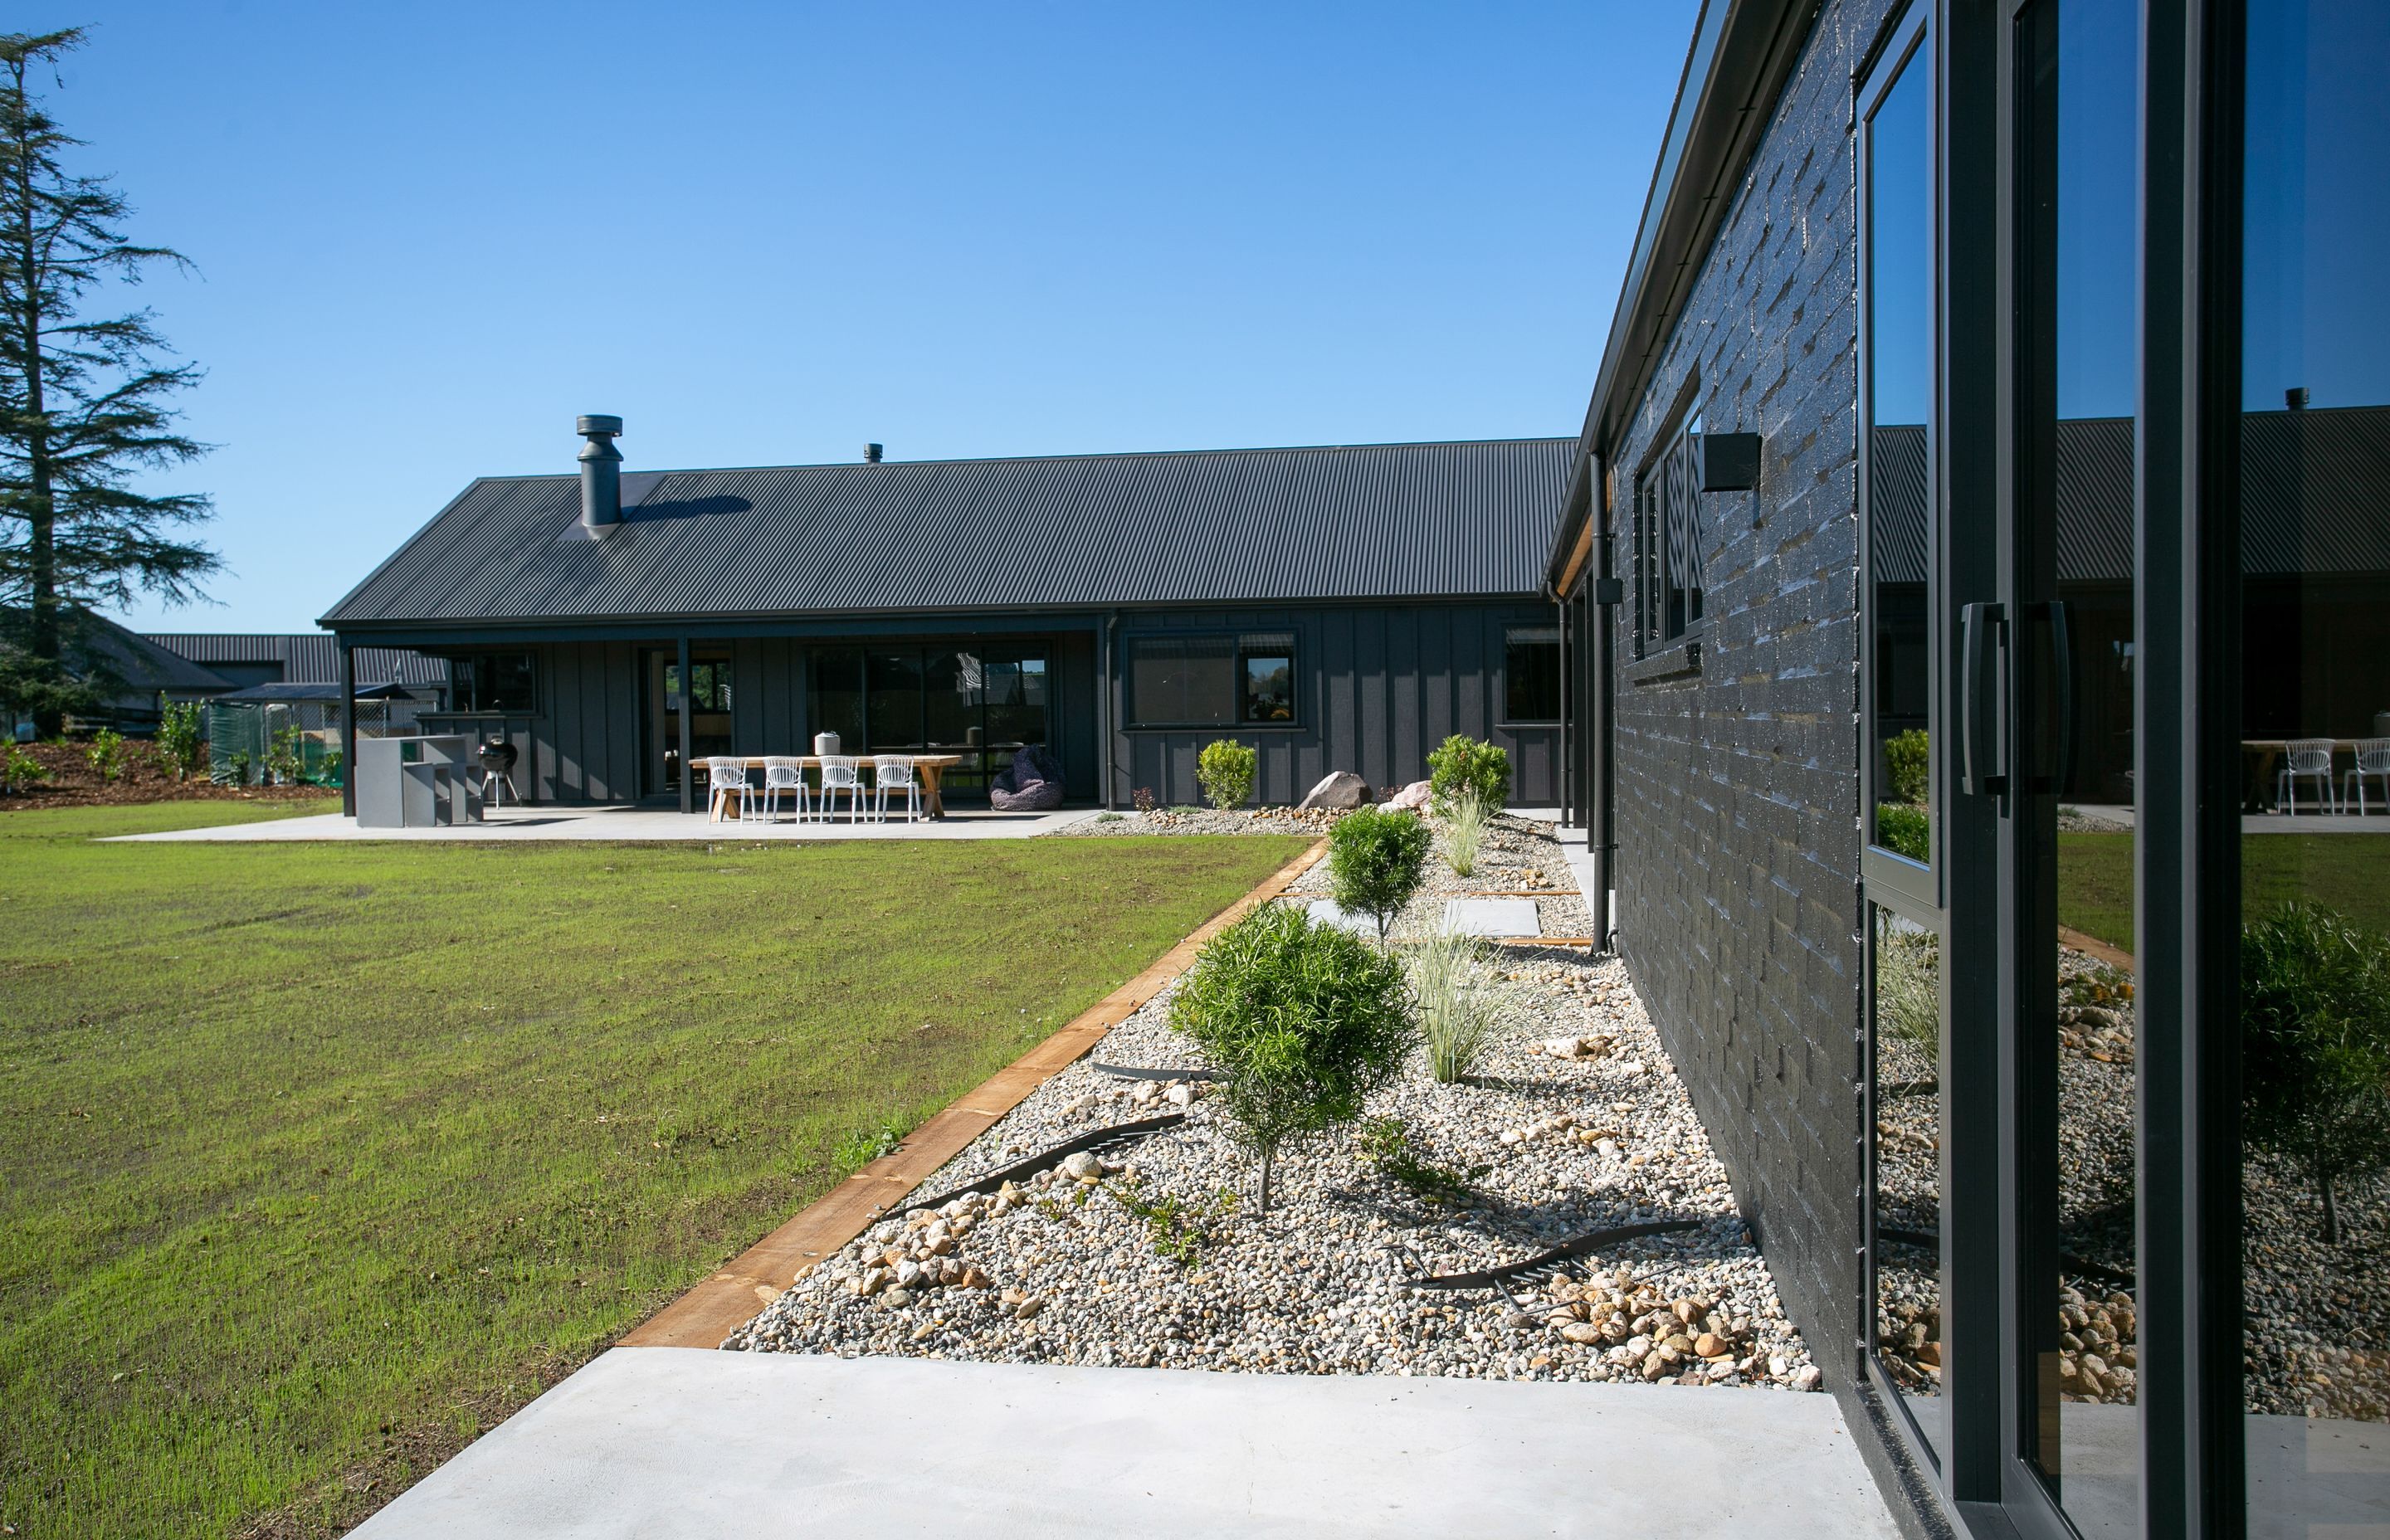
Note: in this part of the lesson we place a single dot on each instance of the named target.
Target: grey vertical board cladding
(1362, 672)
(1738, 871)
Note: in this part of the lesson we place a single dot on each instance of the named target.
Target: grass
(2095, 886)
(317, 1159)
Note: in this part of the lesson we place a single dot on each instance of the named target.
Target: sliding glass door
(983, 703)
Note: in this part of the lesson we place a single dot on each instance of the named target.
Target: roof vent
(601, 472)
(872, 454)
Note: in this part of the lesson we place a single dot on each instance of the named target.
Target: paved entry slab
(660, 1442)
(1492, 916)
(1327, 911)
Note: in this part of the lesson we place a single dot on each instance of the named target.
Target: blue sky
(429, 236)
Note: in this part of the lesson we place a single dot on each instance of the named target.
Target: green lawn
(317, 1159)
(2347, 871)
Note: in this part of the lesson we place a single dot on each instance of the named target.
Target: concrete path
(655, 1443)
(634, 823)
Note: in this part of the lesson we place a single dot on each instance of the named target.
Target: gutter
(1742, 53)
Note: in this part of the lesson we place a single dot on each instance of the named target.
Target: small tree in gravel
(1225, 770)
(1377, 860)
(2315, 1034)
(1308, 1021)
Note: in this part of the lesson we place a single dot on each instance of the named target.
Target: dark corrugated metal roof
(2314, 495)
(145, 667)
(1221, 526)
(309, 657)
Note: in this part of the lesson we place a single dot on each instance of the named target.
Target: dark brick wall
(1738, 785)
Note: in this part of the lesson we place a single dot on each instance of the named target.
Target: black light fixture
(1726, 462)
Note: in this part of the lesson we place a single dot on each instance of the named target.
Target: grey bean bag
(1031, 783)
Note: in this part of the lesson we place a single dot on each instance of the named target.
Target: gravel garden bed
(1152, 1253)
(1202, 820)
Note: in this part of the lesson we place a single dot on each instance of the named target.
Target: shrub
(2315, 1033)
(327, 769)
(1904, 765)
(1142, 799)
(1307, 1019)
(1225, 770)
(182, 743)
(1904, 829)
(20, 769)
(236, 767)
(1459, 1004)
(283, 760)
(1376, 859)
(105, 752)
(1464, 830)
(1461, 762)
(1386, 1143)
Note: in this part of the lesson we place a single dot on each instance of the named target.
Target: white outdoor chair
(2373, 759)
(784, 773)
(2308, 759)
(895, 773)
(726, 777)
(841, 772)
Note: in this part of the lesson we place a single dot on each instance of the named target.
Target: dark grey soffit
(2315, 496)
(1405, 520)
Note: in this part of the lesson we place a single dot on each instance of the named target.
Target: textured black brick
(1737, 789)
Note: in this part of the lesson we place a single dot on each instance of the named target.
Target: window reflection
(2315, 868)
(1899, 343)
(1908, 1128)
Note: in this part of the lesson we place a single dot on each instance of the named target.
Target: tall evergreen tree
(83, 407)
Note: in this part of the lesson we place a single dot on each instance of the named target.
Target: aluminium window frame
(1239, 652)
(1560, 687)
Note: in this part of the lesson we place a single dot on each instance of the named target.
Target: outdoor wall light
(1726, 462)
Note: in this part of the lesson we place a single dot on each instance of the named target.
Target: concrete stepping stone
(1327, 911)
(1492, 916)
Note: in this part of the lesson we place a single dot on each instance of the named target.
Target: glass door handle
(1983, 648)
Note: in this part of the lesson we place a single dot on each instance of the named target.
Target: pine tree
(83, 407)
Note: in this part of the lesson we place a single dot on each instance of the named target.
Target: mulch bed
(71, 782)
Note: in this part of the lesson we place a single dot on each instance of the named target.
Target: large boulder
(1340, 789)
(1414, 797)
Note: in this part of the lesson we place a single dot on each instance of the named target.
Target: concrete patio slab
(635, 824)
(657, 1442)
(1492, 916)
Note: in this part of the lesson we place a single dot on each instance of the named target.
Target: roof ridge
(1042, 460)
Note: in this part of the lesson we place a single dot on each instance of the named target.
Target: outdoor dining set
(907, 782)
(2307, 763)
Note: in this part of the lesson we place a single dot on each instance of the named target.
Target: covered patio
(631, 822)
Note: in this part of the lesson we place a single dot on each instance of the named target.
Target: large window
(1531, 678)
(493, 682)
(2313, 755)
(1212, 681)
(980, 702)
(1668, 540)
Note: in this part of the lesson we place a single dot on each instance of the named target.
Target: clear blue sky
(429, 234)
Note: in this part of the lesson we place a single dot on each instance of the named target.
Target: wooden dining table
(930, 767)
(2258, 757)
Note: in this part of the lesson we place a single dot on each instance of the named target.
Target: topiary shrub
(2315, 1056)
(1225, 770)
(1376, 860)
(1308, 1021)
(1905, 756)
(1465, 763)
